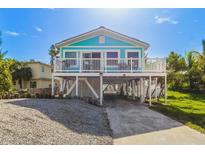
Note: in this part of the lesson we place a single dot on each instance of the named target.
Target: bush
(49, 96)
(37, 95)
(33, 96)
(61, 95)
(16, 95)
(28, 95)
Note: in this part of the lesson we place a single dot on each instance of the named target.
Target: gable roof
(103, 31)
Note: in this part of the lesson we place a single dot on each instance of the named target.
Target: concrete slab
(137, 124)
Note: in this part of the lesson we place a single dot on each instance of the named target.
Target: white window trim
(134, 50)
(90, 51)
(76, 51)
(118, 52)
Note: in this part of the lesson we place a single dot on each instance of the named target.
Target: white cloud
(12, 33)
(38, 29)
(161, 20)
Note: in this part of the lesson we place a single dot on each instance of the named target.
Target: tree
(176, 68)
(5, 75)
(21, 72)
(175, 62)
(192, 70)
(53, 51)
(203, 45)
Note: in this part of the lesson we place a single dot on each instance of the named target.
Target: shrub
(28, 95)
(37, 95)
(61, 95)
(49, 96)
(33, 96)
(41, 96)
(16, 95)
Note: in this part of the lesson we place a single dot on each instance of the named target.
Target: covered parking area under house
(137, 86)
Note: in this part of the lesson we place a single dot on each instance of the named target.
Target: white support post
(131, 64)
(165, 89)
(133, 89)
(138, 88)
(67, 86)
(156, 89)
(141, 90)
(52, 90)
(61, 85)
(101, 89)
(150, 90)
(80, 62)
(76, 86)
(64, 83)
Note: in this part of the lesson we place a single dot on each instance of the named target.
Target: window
(70, 55)
(71, 61)
(133, 55)
(112, 54)
(33, 84)
(91, 55)
(42, 68)
(91, 61)
(95, 55)
(112, 58)
(135, 60)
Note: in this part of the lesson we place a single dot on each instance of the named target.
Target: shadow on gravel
(73, 114)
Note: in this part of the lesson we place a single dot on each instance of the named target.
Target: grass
(187, 108)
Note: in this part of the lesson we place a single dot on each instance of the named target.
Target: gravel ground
(50, 121)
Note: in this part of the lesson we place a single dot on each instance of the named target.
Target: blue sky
(28, 33)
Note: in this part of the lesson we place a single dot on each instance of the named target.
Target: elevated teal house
(103, 56)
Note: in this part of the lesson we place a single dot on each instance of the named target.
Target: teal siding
(122, 50)
(86, 45)
(94, 41)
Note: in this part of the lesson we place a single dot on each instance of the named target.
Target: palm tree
(24, 73)
(190, 57)
(53, 51)
(20, 72)
(2, 54)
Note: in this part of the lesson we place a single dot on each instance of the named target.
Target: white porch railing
(109, 65)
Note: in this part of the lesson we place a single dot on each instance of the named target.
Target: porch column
(61, 85)
(138, 88)
(133, 89)
(76, 86)
(165, 88)
(150, 91)
(141, 90)
(101, 89)
(156, 89)
(52, 90)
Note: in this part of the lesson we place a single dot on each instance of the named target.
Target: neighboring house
(41, 76)
(103, 56)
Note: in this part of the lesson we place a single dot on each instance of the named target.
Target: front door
(91, 61)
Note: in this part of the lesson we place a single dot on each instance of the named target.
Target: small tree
(176, 67)
(5, 75)
(23, 73)
(53, 51)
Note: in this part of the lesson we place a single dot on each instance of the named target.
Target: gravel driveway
(50, 121)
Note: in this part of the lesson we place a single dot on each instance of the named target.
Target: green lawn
(187, 108)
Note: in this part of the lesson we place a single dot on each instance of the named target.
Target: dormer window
(101, 39)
